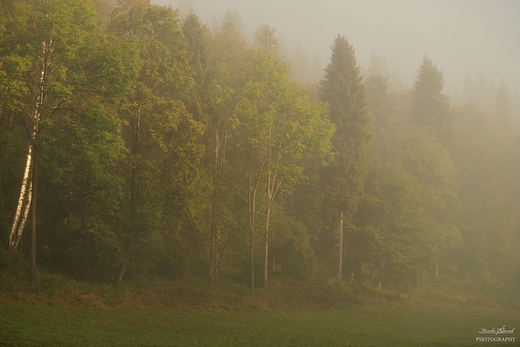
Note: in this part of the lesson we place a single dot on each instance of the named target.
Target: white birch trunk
(23, 206)
(273, 186)
(252, 217)
(24, 200)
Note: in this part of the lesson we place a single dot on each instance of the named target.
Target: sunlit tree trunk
(26, 190)
(271, 194)
(32, 257)
(23, 206)
(273, 185)
(253, 188)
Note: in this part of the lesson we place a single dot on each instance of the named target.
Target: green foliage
(407, 208)
(161, 137)
(198, 37)
(292, 250)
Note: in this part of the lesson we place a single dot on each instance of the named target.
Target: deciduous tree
(56, 58)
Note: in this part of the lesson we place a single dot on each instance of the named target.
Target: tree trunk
(340, 246)
(423, 277)
(266, 254)
(253, 189)
(120, 273)
(352, 274)
(32, 259)
(214, 208)
(135, 150)
(382, 258)
(23, 206)
(436, 260)
(252, 213)
(424, 269)
(211, 255)
(252, 261)
(381, 268)
(122, 267)
(273, 186)
(352, 262)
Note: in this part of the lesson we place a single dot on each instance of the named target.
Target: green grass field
(361, 326)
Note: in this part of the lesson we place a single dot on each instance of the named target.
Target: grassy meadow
(397, 325)
(60, 311)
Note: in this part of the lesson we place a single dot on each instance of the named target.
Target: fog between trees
(169, 146)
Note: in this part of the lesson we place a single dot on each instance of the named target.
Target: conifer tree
(431, 108)
(342, 88)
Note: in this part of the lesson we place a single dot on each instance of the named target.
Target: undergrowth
(191, 294)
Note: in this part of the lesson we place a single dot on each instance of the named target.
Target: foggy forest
(143, 141)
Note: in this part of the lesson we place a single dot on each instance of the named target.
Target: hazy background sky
(476, 37)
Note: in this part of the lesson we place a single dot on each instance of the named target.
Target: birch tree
(55, 55)
(279, 125)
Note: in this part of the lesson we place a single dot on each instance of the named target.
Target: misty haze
(259, 173)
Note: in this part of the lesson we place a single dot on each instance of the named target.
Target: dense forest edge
(148, 159)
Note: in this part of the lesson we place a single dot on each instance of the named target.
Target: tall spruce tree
(431, 108)
(342, 88)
